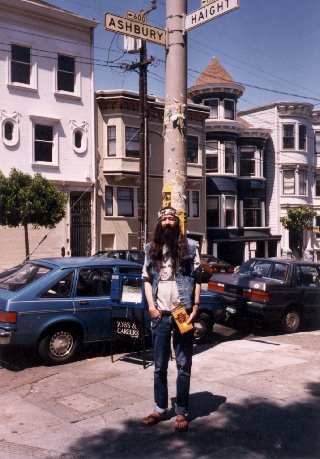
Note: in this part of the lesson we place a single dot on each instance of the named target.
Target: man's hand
(193, 315)
(153, 312)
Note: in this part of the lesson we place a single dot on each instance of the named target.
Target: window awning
(221, 185)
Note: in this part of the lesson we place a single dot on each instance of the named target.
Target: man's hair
(177, 245)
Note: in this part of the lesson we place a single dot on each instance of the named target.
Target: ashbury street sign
(213, 9)
(129, 27)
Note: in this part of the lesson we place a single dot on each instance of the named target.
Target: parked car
(132, 255)
(57, 304)
(280, 291)
(211, 265)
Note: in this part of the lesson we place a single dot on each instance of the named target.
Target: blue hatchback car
(57, 304)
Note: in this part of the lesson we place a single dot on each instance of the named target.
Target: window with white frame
(229, 109)
(45, 140)
(294, 136)
(317, 142)
(252, 212)
(125, 201)
(212, 156)
(221, 157)
(288, 180)
(230, 155)
(213, 211)
(294, 182)
(230, 211)
(192, 149)
(214, 107)
(318, 226)
(317, 184)
(43, 143)
(302, 182)
(66, 75)
(132, 142)
(20, 68)
(251, 161)
(112, 138)
(302, 130)
(193, 203)
(108, 210)
(119, 201)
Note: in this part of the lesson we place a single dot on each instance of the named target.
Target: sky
(271, 47)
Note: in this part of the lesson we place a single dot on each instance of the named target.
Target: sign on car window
(132, 291)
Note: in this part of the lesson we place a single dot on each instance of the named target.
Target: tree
(297, 220)
(28, 200)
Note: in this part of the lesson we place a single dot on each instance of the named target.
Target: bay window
(230, 151)
(229, 109)
(213, 211)
(125, 201)
(294, 182)
(212, 156)
(294, 137)
(132, 142)
(317, 142)
(214, 106)
(111, 135)
(252, 212)
(317, 184)
(230, 211)
(193, 203)
(192, 149)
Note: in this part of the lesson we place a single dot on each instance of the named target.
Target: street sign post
(209, 12)
(135, 29)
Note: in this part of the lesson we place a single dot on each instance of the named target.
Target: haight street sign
(125, 26)
(210, 11)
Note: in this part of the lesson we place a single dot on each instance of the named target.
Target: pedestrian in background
(171, 276)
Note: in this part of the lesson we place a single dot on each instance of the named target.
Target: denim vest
(184, 275)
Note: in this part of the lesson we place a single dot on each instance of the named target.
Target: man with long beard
(171, 275)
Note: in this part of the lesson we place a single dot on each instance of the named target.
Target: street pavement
(251, 398)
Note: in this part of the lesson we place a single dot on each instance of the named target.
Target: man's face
(167, 221)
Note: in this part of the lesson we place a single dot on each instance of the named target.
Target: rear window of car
(16, 278)
(264, 268)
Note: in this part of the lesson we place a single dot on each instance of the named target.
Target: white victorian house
(47, 119)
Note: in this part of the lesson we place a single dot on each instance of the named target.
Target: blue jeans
(183, 346)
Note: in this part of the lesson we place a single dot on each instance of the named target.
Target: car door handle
(83, 302)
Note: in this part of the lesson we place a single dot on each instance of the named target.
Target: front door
(80, 216)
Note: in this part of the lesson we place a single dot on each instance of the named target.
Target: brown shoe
(181, 423)
(153, 419)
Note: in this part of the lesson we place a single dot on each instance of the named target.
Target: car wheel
(59, 346)
(202, 327)
(291, 321)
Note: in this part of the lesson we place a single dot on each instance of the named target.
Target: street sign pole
(178, 22)
(175, 112)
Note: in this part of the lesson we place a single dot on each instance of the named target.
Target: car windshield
(18, 277)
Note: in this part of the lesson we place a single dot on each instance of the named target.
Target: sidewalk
(250, 399)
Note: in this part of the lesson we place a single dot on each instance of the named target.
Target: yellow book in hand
(181, 316)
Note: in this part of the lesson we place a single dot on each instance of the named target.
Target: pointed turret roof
(214, 79)
(214, 73)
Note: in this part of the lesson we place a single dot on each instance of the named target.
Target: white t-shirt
(167, 286)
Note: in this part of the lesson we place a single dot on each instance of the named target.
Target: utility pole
(143, 194)
(175, 114)
(144, 146)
